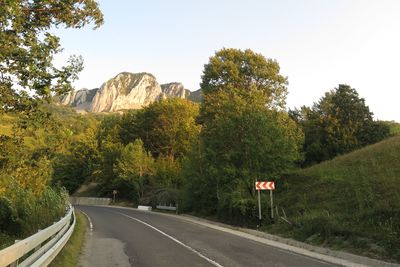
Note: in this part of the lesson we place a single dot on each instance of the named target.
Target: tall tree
(245, 141)
(27, 48)
(78, 165)
(167, 127)
(245, 133)
(243, 72)
(134, 165)
(27, 79)
(338, 123)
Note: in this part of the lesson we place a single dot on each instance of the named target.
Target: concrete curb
(324, 254)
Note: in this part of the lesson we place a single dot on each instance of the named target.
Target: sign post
(259, 205)
(265, 186)
(272, 205)
(114, 193)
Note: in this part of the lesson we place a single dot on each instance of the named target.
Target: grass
(6, 241)
(394, 127)
(6, 124)
(349, 203)
(69, 255)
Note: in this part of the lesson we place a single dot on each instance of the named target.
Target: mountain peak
(125, 91)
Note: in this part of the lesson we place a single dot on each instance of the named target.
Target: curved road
(128, 237)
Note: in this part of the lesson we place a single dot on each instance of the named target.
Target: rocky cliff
(81, 99)
(174, 90)
(124, 91)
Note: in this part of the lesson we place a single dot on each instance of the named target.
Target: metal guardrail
(165, 207)
(89, 201)
(43, 246)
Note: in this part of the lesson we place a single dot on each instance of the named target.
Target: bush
(6, 214)
(22, 212)
(321, 225)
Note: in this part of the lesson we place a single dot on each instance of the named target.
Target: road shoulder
(100, 251)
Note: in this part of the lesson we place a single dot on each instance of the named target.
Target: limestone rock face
(81, 99)
(174, 90)
(126, 91)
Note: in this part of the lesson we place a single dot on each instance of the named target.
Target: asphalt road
(150, 239)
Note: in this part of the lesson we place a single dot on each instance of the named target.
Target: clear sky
(318, 43)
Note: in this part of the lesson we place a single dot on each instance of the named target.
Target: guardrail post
(15, 263)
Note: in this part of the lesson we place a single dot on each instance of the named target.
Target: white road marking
(90, 221)
(175, 240)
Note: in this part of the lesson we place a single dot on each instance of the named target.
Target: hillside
(6, 123)
(75, 125)
(351, 202)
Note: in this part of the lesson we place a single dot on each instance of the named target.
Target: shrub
(320, 224)
(6, 214)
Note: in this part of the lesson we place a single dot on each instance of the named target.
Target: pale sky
(318, 43)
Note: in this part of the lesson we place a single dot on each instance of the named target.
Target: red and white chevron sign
(265, 185)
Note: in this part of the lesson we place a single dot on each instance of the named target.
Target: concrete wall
(89, 201)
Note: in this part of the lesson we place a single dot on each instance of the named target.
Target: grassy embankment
(69, 255)
(6, 124)
(349, 203)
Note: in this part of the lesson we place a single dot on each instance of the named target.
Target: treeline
(33, 140)
(30, 147)
(338, 123)
(140, 153)
(206, 157)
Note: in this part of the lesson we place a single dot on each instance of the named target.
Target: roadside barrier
(89, 201)
(165, 207)
(41, 248)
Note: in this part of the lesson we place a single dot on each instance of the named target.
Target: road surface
(127, 237)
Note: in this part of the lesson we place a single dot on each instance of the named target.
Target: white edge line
(90, 221)
(175, 240)
(283, 247)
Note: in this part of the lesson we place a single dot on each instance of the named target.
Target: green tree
(246, 134)
(243, 72)
(79, 164)
(339, 123)
(28, 79)
(245, 141)
(28, 46)
(135, 165)
(167, 182)
(110, 147)
(167, 127)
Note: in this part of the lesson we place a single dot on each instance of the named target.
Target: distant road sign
(265, 185)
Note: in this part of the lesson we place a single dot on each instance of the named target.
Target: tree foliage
(168, 130)
(27, 48)
(78, 164)
(243, 72)
(167, 127)
(28, 79)
(245, 134)
(338, 123)
(245, 141)
(134, 165)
